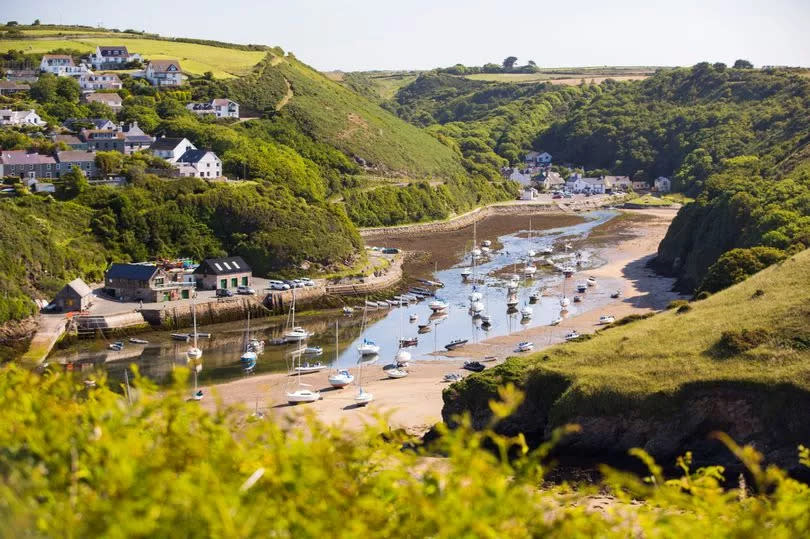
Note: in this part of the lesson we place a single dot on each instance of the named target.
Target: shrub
(737, 265)
(676, 303)
(735, 342)
(685, 308)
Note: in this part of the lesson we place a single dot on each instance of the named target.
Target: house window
(234, 282)
(223, 283)
(244, 281)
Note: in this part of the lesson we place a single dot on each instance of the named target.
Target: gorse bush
(81, 461)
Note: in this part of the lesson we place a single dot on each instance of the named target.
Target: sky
(423, 34)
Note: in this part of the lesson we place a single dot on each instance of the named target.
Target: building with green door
(228, 272)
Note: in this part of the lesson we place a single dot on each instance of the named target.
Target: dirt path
(286, 99)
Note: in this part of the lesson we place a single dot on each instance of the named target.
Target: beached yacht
(525, 346)
(294, 333)
(607, 319)
(591, 281)
(438, 305)
(572, 335)
(194, 353)
(556, 321)
(526, 312)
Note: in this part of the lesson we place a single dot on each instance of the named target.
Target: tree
(532, 63)
(12, 23)
(36, 22)
(208, 75)
(743, 64)
(509, 63)
(109, 162)
(74, 183)
(68, 89)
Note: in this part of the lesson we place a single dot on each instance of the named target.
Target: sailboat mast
(194, 316)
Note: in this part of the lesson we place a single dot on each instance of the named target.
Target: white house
(553, 181)
(662, 184)
(222, 108)
(112, 57)
(537, 158)
(574, 183)
(104, 81)
(199, 164)
(171, 149)
(618, 183)
(61, 65)
(595, 185)
(520, 177)
(164, 73)
(528, 193)
(20, 117)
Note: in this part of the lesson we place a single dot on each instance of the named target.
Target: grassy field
(651, 201)
(767, 320)
(195, 59)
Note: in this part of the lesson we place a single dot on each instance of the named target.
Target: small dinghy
(313, 350)
(490, 358)
(571, 336)
(348, 311)
(556, 321)
(424, 328)
(577, 299)
(534, 297)
(564, 302)
(582, 287)
(396, 372)
(181, 337)
(456, 343)
(368, 348)
(615, 294)
(591, 281)
(474, 366)
(525, 346)
(607, 319)
(405, 343)
(452, 377)
(133, 340)
(363, 397)
(116, 346)
(303, 394)
(526, 312)
(197, 396)
(413, 318)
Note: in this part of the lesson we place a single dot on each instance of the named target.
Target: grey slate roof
(166, 143)
(192, 156)
(80, 287)
(222, 266)
(132, 272)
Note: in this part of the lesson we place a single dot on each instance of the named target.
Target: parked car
(307, 281)
(245, 291)
(224, 293)
(277, 285)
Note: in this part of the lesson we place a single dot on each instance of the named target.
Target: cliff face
(770, 418)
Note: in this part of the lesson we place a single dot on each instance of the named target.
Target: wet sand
(415, 402)
(642, 290)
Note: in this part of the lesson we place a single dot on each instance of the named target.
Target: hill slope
(736, 362)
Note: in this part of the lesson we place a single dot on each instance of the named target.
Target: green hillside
(195, 58)
(332, 114)
(746, 347)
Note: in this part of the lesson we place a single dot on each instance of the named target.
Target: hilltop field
(195, 58)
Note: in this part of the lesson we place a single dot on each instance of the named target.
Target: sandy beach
(415, 402)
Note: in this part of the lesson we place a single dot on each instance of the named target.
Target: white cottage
(164, 73)
(20, 117)
(199, 164)
(171, 149)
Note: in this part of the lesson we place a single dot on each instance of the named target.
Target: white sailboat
(362, 397)
(526, 311)
(367, 347)
(564, 301)
(400, 359)
(294, 333)
(248, 357)
(341, 377)
(303, 392)
(531, 252)
(194, 353)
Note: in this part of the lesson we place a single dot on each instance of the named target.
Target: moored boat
(607, 319)
(133, 340)
(525, 346)
(571, 335)
(455, 343)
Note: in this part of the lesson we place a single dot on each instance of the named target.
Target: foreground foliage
(81, 461)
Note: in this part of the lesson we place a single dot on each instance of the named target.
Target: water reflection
(386, 326)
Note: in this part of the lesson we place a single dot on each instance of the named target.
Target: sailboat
(476, 252)
(531, 252)
(362, 397)
(303, 392)
(194, 352)
(564, 301)
(294, 333)
(400, 359)
(248, 357)
(196, 366)
(340, 378)
(367, 347)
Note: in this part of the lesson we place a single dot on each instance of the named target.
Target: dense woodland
(734, 138)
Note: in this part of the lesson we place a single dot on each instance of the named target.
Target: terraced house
(84, 160)
(23, 164)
